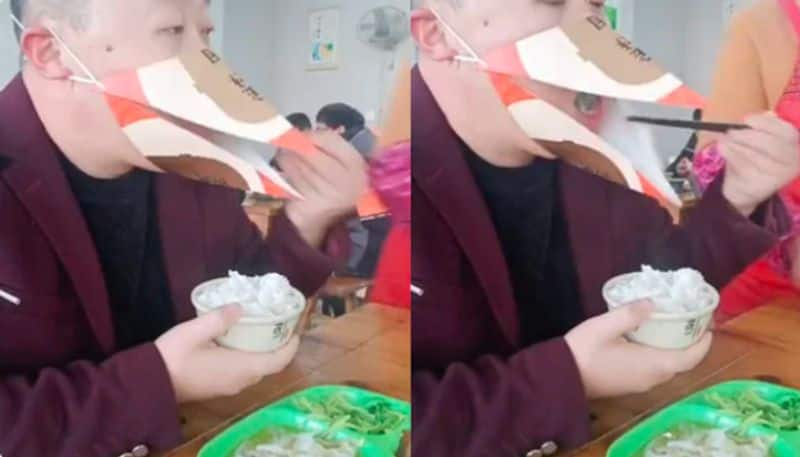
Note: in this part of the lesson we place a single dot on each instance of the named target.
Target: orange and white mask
(627, 157)
(192, 116)
(588, 56)
(602, 68)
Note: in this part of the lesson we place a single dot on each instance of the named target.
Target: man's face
(483, 26)
(489, 25)
(118, 35)
(124, 34)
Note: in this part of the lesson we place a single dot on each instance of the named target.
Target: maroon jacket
(65, 390)
(477, 392)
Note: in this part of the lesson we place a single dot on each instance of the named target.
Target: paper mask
(577, 145)
(191, 116)
(589, 56)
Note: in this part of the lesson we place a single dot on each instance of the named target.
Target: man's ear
(43, 53)
(430, 36)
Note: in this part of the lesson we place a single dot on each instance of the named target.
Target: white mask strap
(90, 80)
(18, 23)
(473, 57)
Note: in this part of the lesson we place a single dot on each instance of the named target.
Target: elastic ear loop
(90, 80)
(473, 58)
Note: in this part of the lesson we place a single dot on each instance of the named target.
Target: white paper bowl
(253, 333)
(667, 331)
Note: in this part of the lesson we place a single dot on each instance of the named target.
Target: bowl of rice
(684, 305)
(271, 309)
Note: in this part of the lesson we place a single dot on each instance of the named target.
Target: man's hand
(201, 370)
(330, 181)
(611, 366)
(759, 161)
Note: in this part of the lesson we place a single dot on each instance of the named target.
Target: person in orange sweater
(759, 70)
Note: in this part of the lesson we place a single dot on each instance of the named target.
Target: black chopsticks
(691, 125)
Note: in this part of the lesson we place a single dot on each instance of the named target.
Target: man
(681, 166)
(368, 236)
(350, 124)
(300, 121)
(510, 251)
(98, 256)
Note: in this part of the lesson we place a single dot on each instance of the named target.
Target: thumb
(209, 326)
(622, 320)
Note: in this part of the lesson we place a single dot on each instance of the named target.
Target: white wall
(625, 15)
(266, 42)
(364, 76)
(705, 34)
(247, 43)
(660, 28)
(217, 11)
(9, 51)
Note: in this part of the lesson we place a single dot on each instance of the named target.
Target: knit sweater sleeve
(738, 88)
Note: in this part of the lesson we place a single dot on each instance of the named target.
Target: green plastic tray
(284, 414)
(694, 409)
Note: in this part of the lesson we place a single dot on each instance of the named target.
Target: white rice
(671, 292)
(709, 443)
(302, 445)
(270, 295)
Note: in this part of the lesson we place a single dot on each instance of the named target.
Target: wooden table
(369, 348)
(763, 345)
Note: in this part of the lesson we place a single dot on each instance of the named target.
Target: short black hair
(300, 121)
(338, 115)
(73, 11)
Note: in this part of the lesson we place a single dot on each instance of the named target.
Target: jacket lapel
(35, 176)
(587, 210)
(442, 174)
(181, 222)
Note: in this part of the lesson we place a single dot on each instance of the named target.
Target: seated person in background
(300, 121)
(510, 335)
(367, 236)
(758, 71)
(98, 255)
(350, 124)
(680, 172)
(681, 166)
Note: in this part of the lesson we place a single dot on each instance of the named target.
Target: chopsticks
(718, 127)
